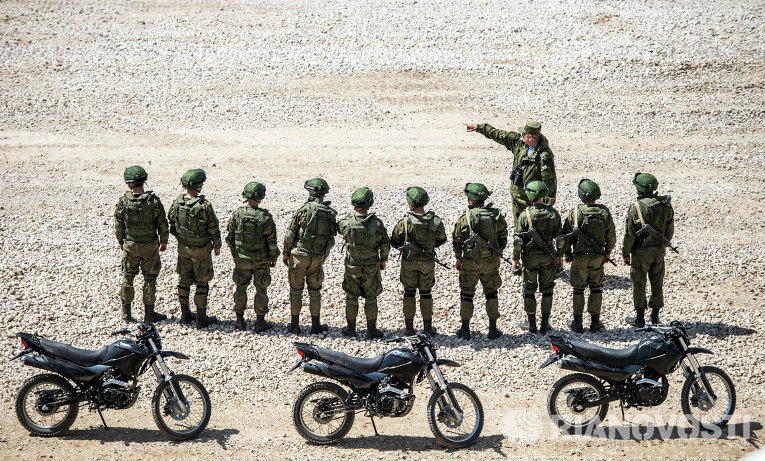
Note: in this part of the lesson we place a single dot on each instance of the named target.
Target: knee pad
(596, 289)
(314, 294)
(491, 295)
(466, 297)
(409, 292)
(425, 294)
(149, 281)
(202, 289)
(578, 291)
(547, 295)
(128, 280)
(528, 295)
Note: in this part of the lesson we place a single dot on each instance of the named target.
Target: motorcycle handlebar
(392, 340)
(123, 331)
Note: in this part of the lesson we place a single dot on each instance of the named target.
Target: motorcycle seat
(359, 364)
(615, 357)
(82, 357)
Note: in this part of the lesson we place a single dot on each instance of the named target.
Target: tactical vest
(655, 211)
(482, 221)
(593, 220)
(422, 232)
(361, 239)
(248, 235)
(188, 225)
(320, 225)
(543, 220)
(139, 217)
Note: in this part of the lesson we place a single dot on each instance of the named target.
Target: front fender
(447, 363)
(699, 350)
(179, 355)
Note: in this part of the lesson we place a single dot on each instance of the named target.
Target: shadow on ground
(384, 442)
(129, 435)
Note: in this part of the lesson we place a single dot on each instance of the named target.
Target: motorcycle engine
(117, 392)
(651, 389)
(393, 400)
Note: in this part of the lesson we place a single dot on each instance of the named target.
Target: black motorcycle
(383, 386)
(637, 377)
(107, 378)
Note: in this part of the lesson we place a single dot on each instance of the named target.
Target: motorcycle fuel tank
(658, 355)
(402, 363)
(126, 355)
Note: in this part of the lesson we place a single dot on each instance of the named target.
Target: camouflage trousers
(587, 270)
(362, 281)
(305, 269)
(194, 267)
(538, 271)
(487, 272)
(143, 256)
(647, 263)
(257, 272)
(418, 275)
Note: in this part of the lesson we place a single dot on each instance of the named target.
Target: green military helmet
(316, 186)
(193, 179)
(135, 174)
(588, 190)
(535, 190)
(254, 190)
(476, 191)
(362, 198)
(416, 197)
(645, 182)
(532, 127)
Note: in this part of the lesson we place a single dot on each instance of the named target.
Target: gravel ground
(372, 93)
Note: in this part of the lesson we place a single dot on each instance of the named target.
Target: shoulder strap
(470, 226)
(528, 217)
(576, 216)
(639, 213)
(406, 227)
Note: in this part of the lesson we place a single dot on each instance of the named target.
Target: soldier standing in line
(368, 246)
(252, 240)
(309, 238)
(479, 237)
(142, 232)
(418, 271)
(538, 270)
(645, 252)
(194, 224)
(590, 252)
(532, 160)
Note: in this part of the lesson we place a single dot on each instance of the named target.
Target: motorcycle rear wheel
(168, 416)
(310, 418)
(449, 432)
(697, 408)
(566, 414)
(34, 410)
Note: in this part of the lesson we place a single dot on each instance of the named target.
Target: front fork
(439, 383)
(163, 374)
(695, 370)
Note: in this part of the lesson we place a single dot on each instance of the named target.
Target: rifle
(589, 241)
(481, 243)
(414, 249)
(538, 241)
(647, 228)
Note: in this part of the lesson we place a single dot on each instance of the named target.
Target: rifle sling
(639, 213)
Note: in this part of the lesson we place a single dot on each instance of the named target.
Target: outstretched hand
(471, 126)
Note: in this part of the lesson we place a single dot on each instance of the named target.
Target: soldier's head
(476, 192)
(536, 191)
(193, 179)
(362, 199)
(316, 187)
(254, 192)
(531, 133)
(588, 190)
(645, 183)
(135, 176)
(416, 197)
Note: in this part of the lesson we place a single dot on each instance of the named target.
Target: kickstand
(371, 418)
(102, 419)
(621, 405)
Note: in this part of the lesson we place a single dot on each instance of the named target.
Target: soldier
(252, 240)
(368, 246)
(537, 267)
(645, 253)
(309, 238)
(479, 235)
(586, 260)
(418, 271)
(532, 160)
(141, 229)
(194, 224)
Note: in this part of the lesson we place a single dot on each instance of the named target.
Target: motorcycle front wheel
(564, 403)
(697, 407)
(37, 407)
(450, 430)
(319, 413)
(176, 422)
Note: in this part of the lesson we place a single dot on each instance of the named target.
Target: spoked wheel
(172, 418)
(565, 403)
(452, 429)
(319, 413)
(698, 407)
(38, 405)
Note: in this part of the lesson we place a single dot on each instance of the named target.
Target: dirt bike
(107, 378)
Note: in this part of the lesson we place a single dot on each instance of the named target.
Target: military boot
(317, 327)
(261, 324)
(240, 321)
(595, 325)
(186, 315)
(532, 322)
(638, 321)
(127, 315)
(372, 331)
(494, 332)
(655, 316)
(350, 330)
(545, 326)
(203, 320)
(149, 316)
(576, 324)
(464, 331)
(409, 327)
(294, 325)
(427, 325)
